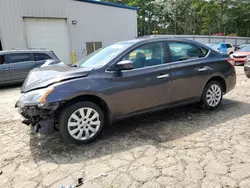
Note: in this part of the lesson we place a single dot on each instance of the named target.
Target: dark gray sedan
(123, 80)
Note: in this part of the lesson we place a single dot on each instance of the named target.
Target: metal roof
(109, 4)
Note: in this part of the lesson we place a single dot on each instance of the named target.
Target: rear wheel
(81, 122)
(212, 95)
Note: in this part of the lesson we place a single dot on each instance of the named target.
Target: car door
(189, 71)
(41, 58)
(20, 65)
(4, 70)
(146, 86)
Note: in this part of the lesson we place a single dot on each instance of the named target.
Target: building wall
(100, 23)
(94, 22)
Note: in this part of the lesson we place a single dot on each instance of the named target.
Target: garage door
(50, 34)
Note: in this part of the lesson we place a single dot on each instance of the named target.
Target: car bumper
(247, 70)
(240, 60)
(40, 117)
(231, 80)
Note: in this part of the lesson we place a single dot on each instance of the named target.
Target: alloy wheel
(213, 95)
(84, 123)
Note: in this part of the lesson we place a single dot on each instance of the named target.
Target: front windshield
(103, 55)
(246, 48)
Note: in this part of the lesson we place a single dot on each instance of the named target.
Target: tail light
(231, 61)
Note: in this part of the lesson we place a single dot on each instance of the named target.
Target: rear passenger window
(20, 57)
(41, 56)
(229, 45)
(202, 51)
(181, 51)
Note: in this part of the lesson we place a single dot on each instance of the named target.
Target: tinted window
(41, 56)
(229, 46)
(2, 59)
(20, 57)
(202, 51)
(183, 51)
(147, 55)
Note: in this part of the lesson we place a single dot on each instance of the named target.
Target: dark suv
(16, 64)
(122, 80)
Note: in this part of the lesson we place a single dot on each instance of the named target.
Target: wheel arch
(90, 98)
(219, 79)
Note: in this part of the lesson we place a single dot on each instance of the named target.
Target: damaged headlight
(34, 97)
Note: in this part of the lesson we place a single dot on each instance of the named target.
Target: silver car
(16, 64)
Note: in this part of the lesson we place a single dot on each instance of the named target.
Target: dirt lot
(184, 147)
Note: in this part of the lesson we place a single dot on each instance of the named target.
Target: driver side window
(147, 55)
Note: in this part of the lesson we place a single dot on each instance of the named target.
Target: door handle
(203, 69)
(12, 68)
(163, 76)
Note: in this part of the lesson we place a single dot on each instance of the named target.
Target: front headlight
(231, 56)
(34, 97)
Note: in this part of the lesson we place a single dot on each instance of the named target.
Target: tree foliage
(206, 17)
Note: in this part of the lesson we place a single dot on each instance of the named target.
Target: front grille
(243, 56)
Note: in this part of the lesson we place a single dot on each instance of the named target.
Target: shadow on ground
(10, 87)
(153, 129)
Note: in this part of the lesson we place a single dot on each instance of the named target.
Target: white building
(65, 25)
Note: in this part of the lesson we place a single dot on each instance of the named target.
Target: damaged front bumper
(41, 117)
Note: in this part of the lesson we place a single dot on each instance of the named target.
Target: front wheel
(81, 123)
(212, 95)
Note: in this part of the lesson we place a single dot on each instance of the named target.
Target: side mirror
(125, 65)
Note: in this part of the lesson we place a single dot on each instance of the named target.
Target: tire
(81, 122)
(212, 95)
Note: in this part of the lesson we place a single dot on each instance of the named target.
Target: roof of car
(24, 50)
(152, 38)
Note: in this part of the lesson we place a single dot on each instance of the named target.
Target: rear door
(20, 65)
(189, 71)
(4, 70)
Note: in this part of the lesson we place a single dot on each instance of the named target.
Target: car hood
(45, 76)
(241, 53)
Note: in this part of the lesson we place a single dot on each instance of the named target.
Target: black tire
(204, 101)
(66, 114)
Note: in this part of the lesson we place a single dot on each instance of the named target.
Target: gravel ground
(182, 147)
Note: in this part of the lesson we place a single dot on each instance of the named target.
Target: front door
(189, 71)
(147, 85)
(4, 70)
(20, 65)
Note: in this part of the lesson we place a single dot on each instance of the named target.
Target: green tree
(191, 16)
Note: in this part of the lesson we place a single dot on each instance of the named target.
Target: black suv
(16, 64)
(122, 80)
